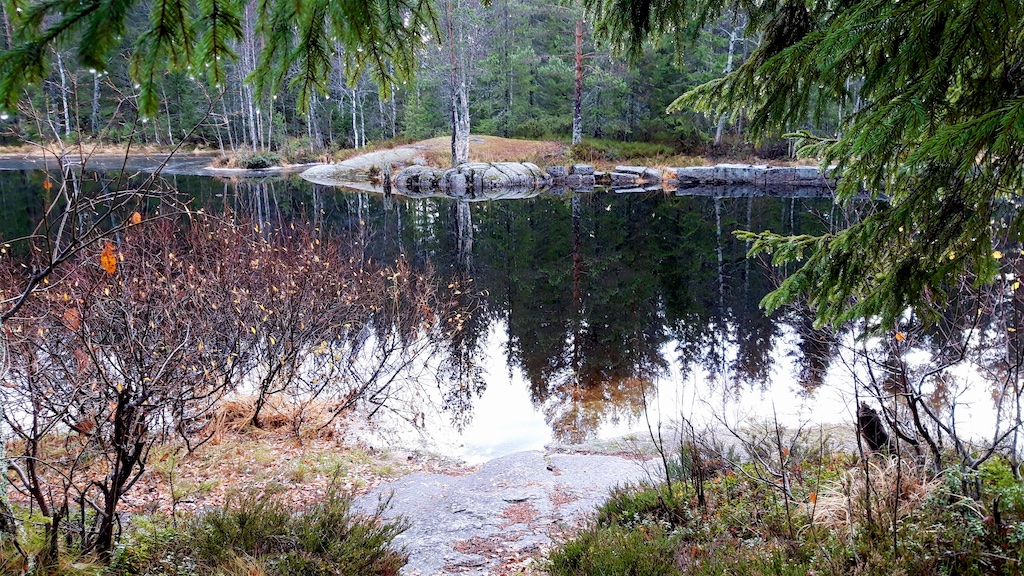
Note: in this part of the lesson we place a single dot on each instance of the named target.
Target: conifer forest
(560, 287)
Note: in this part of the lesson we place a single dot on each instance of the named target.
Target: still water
(586, 308)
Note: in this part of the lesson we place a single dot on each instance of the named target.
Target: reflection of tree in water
(818, 346)
(585, 326)
(381, 231)
(595, 286)
(591, 287)
(460, 375)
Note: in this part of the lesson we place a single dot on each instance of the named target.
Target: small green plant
(327, 538)
(617, 550)
(259, 160)
(254, 533)
(836, 516)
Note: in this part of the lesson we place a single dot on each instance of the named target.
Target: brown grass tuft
(893, 482)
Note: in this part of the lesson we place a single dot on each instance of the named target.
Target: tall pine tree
(940, 132)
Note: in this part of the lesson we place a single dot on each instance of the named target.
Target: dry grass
(893, 482)
(52, 149)
(177, 481)
(238, 456)
(437, 152)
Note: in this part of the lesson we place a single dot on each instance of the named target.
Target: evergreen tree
(301, 41)
(937, 125)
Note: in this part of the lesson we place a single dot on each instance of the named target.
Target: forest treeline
(516, 62)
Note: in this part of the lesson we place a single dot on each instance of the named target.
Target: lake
(593, 314)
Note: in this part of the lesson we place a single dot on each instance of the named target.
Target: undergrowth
(735, 520)
(253, 533)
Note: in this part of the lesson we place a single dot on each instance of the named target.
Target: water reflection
(600, 295)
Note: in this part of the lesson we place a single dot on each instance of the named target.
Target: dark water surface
(583, 301)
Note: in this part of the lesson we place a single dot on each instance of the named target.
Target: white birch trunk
(733, 37)
(577, 92)
(64, 96)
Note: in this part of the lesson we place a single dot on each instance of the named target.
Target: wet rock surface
(502, 515)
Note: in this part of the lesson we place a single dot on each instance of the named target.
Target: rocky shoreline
(495, 180)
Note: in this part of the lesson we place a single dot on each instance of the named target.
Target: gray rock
(477, 179)
(574, 180)
(652, 175)
(513, 502)
(624, 179)
(638, 170)
(642, 172)
(456, 184)
(419, 178)
(582, 169)
(751, 174)
(557, 171)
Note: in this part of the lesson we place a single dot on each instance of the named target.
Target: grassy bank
(809, 511)
(252, 533)
(605, 154)
(253, 501)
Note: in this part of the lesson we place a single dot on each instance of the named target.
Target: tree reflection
(599, 293)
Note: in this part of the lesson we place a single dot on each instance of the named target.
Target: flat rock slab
(753, 174)
(506, 512)
(356, 169)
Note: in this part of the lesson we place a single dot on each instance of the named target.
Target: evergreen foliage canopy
(301, 40)
(940, 132)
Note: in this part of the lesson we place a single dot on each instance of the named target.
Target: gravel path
(502, 517)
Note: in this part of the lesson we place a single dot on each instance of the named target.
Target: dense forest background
(517, 59)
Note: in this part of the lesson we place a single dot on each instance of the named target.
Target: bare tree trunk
(394, 116)
(316, 141)
(270, 125)
(8, 526)
(64, 95)
(167, 110)
(577, 92)
(259, 125)
(733, 36)
(457, 80)
(382, 121)
(95, 120)
(355, 127)
(251, 117)
(227, 124)
(362, 120)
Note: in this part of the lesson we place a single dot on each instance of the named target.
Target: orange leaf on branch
(107, 259)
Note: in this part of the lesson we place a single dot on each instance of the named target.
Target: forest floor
(604, 155)
(438, 152)
(499, 517)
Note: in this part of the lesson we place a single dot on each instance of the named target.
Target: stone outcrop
(473, 179)
(493, 180)
(758, 175)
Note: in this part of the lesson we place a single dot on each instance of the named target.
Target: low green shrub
(259, 160)
(644, 551)
(254, 533)
(909, 522)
